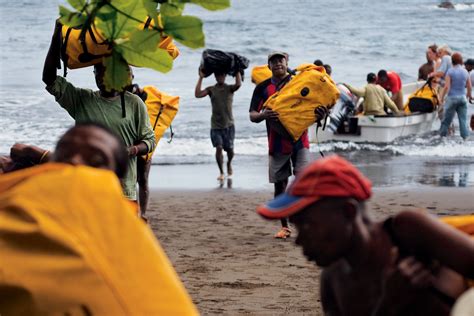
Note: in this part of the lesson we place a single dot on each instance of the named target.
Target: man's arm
(238, 83)
(146, 136)
(50, 63)
(255, 115)
(389, 103)
(469, 88)
(198, 92)
(358, 92)
(427, 236)
(328, 300)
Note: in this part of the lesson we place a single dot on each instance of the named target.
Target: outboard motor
(344, 106)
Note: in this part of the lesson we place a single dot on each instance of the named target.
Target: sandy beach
(229, 262)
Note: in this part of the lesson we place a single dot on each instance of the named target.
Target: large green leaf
(171, 9)
(69, 18)
(145, 40)
(77, 4)
(129, 15)
(158, 60)
(151, 7)
(185, 29)
(117, 74)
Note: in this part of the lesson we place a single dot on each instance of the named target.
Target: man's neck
(370, 247)
(108, 94)
(278, 79)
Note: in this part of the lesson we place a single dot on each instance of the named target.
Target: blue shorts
(223, 137)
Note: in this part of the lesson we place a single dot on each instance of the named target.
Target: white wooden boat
(378, 129)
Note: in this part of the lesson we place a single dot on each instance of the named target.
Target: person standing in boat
(390, 81)
(457, 90)
(375, 97)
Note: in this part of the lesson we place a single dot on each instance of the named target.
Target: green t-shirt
(85, 105)
(221, 101)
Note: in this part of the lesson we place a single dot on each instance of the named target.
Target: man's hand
(132, 151)
(201, 74)
(27, 154)
(321, 113)
(268, 114)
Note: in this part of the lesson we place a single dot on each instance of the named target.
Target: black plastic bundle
(217, 61)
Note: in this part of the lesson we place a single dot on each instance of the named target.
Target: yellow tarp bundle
(162, 109)
(464, 223)
(295, 103)
(94, 48)
(260, 74)
(71, 244)
(426, 92)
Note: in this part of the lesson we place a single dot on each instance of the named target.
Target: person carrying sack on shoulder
(286, 157)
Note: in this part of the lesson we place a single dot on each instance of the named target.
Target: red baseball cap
(332, 176)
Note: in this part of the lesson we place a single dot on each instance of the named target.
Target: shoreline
(229, 262)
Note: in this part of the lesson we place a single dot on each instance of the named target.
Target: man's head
(92, 145)
(220, 77)
(469, 64)
(328, 69)
(431, 52)
(382, 76)
(323, 202)
(278, 64)
(456, 59)
(318, 62)
(444, 50)
(371, 77)
(99, 73)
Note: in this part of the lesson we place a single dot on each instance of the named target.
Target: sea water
(354, 37)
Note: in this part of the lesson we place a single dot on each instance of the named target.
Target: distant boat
(374, 128)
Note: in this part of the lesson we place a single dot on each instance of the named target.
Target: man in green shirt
(130, 123)
(375, 97)
(222, 120)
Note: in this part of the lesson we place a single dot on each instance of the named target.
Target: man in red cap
(409, 264)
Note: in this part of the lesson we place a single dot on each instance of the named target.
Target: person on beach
(457, 90)
(409, 264)
(222, 120)
(428, 67)
(469, 65)
(104, 107)
(390, 81)
(285, 155)
(375, 97)
(68, 234)
(444, 53)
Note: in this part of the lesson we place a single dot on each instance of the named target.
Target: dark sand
(229, 262)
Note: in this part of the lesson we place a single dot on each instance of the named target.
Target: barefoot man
(222, 120)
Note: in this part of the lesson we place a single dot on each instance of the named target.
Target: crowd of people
(408, 264)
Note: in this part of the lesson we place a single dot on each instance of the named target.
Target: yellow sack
(464, 223)
(162, 109)
(70, 243)
(295, 103)
(424, 100)
(80, 53)
(260, 74)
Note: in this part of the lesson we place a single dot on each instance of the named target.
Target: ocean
(354, 37)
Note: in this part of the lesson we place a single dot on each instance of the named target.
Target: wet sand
(229, 262)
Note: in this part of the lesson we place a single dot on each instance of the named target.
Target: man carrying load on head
(128, 118)
(375, 97)
(222, 120)
(285, 155)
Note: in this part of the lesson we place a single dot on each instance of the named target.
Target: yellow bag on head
(296, 102)
(162, 109)
(71, 244)
(260, 74)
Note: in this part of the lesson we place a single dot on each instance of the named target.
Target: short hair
(318, 62)
(456, 58)
(328, 68)
(469, 62)
(445, 48)
(120, 153)
(433, 48)
(371, 77)
(382, 74)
